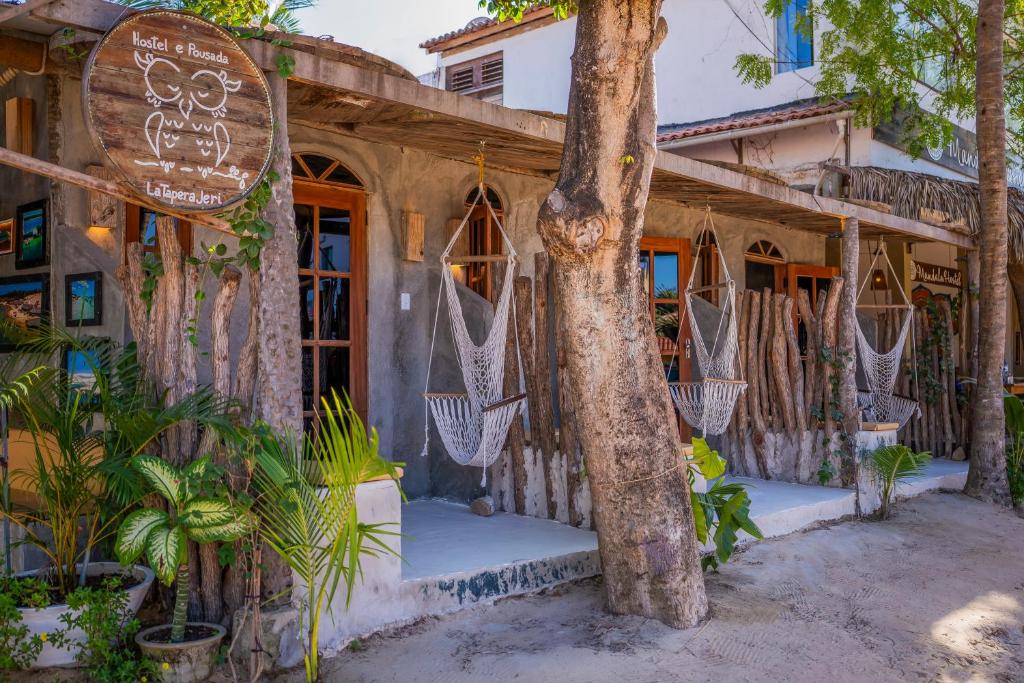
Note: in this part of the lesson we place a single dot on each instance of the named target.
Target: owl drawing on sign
(195, 106)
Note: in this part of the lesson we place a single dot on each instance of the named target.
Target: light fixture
(878, 280)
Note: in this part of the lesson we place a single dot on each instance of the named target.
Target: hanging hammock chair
(473, 425)
(882, 369)
(708, 404)
(900, 409)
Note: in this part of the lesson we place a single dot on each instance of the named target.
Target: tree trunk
(543, 428)
(986, 478)
(591, 225)
(780, 366)
(755, 371)
(280, 352)
(847, 351)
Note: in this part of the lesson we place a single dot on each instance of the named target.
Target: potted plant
(82, 439)
(198, 509)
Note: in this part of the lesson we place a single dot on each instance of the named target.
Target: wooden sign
(181, 110)
(932, 274)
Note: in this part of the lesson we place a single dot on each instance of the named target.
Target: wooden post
(568, 443)
(516, 441)
(749, 469)
(755, 374)
(847, 353)
(780, 366)
(543, 430)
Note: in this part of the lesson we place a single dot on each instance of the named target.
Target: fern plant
(894, 464)
(306, 503)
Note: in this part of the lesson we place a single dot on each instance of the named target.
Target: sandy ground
(934, 594)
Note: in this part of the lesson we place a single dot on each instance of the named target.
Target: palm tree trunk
(591, 224)
(986, 478)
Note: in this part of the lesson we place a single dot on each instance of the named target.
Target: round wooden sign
(180, 109)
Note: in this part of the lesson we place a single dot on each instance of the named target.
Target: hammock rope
(473, 425)
(708, 404)
(881, 369)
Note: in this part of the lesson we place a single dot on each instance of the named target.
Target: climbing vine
(836, 360)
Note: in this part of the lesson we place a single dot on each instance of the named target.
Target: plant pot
(187, 662)
(47, 620)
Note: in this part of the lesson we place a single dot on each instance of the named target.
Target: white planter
(47, 620)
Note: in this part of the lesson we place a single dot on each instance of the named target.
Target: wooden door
(816, 280)
(665, 266)
(331, 226)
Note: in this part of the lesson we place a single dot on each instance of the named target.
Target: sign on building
(932, 274)
(182, 112)
(960, 154)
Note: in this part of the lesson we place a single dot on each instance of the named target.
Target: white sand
(934, 594)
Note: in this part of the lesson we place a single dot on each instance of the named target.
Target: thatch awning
(921, 196)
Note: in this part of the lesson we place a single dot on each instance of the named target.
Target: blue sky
(389, 28)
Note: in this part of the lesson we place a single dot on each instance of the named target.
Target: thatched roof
(908, 193)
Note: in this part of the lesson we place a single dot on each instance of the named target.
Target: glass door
(332, 295)
(665, 267)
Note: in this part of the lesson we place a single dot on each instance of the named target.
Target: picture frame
(83, 299)
(24, 301)
(7, 236)
(79, 366)
(31, 235)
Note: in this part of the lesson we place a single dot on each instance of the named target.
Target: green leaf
(165, 550)
(711, 465)
(134, 530)
(164, 477)
(699, 519)
(223, 533)
(207, 512)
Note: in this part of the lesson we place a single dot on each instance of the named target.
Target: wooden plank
(413, 228)
(25, 55)
(19, 128)
(8, 13)
(66, 175)
(879, 426)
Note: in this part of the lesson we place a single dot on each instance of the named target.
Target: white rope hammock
(899, 411)
(473, 426)
(708, 404)
(882, 369)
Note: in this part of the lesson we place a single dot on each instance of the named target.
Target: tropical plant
(306, 502)
(725, 507)
(235, 13)
(107, 654)
(1014, 410)
(84, 438)
(894, 464)
(199, 509)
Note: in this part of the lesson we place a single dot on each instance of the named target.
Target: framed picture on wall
(80, 367)
(7, 236)
(24, 302)
(30, 235)
(83, 299)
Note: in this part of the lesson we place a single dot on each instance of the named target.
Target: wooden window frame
(352, 200)
(786, 276)
(483, 270)
(133, 231)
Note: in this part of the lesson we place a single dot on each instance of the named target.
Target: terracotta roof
(481, 26)
(791, 111)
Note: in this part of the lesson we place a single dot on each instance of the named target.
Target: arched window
(313, 167)
(481, 237)
(330, 219)
(762, 260)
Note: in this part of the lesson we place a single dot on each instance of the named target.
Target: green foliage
(826, 472)
(913, 57)
(107, 654)
(1014, 411)
(514, 9)
(234, 13)
(84, 439)
(724, 507)
(894, 464)
(199, 509)
(17, 648)
(306, 503)
(26, 591)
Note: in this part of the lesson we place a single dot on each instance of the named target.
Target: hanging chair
(900, 409)
(473, 425)
(708, 404)
(882, 369)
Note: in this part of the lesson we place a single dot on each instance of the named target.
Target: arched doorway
(330, 218)
(481, 237)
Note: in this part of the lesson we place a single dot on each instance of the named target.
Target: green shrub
(17, 649)
(108, 653)
(26, 591)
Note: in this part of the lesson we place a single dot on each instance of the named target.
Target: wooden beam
(8, 13)
(91, 15)
(107, 187)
